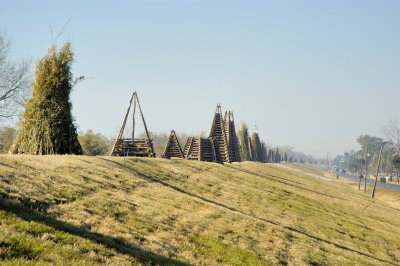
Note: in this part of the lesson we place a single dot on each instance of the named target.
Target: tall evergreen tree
(47, 126)
(285, 157)
(255, 140)
(264, 152)
(277, 156)
(271, 156)
(251, 149)
(244, 142)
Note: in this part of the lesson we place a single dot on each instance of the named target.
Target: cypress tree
(277, 156)
(251, 149)
(244, 142)
(264, 152)
(255, 140)
(272, 156)
(47, 126)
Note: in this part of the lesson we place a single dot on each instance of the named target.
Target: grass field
(106, 210)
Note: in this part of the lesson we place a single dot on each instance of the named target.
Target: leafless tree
(14, 81)
(392, 133)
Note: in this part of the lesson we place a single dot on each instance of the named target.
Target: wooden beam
(145, 127)
(366, 171)
(361, 168)
(121, 131)
(133, 116)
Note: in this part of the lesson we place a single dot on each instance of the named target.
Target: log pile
(222, 145)
(188, 147)
(173, 149)
(200, 149)
(129, 147)
(232, 139)
(218, 135)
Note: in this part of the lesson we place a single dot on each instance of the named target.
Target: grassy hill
(97, 210)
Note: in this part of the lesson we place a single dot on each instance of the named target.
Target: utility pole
(391, 162)
(328, 162)
(361, 168)
(377, 172)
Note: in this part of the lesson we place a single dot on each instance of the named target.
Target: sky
(310, 74)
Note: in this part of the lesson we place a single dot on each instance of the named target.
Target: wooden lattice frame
(218, 135)
(140, 147)
(232, 139)
(173, 148)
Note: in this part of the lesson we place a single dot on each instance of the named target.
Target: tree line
(254, 149)
(47, 127)
(367, 156)
(92, 144)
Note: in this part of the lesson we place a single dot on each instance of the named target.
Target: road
(371, 181)
(314, 175)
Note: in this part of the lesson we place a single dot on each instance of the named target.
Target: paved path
(314, 175)
(372, 181)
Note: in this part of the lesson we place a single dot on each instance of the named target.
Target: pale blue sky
(310, 74)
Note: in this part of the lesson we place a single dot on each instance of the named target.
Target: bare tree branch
(14, 81)
(392, 133)
(62, 30)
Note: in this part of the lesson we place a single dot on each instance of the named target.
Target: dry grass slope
(97, 210)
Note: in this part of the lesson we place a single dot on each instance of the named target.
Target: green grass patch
(226, 253)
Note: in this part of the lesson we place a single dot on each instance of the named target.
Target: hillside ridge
(98, 210)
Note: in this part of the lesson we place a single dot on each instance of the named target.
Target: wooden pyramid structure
(232, 139)
(222, 145)
(201, 149)
(218, 135)
(173, 149)
(131, 146)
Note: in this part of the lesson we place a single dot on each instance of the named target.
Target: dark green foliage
(373, 144)
(277, 156)
(7, 137)
(271, 156)
(354, 164)
(264, 152)
(47, 126)
(396, 162)
(274, 156)
(244, 142)
(258, 153)
(251, 149)
(93, 144)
